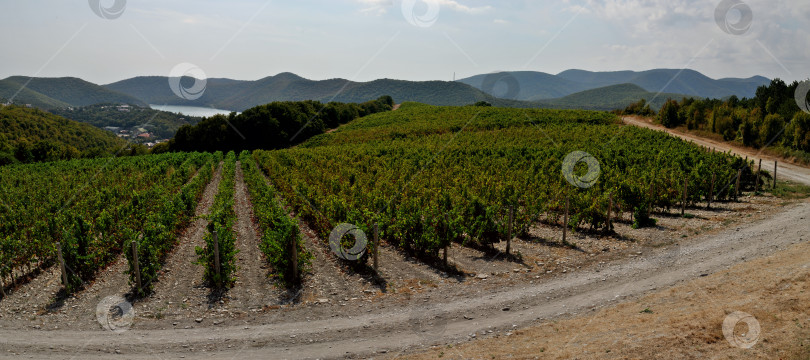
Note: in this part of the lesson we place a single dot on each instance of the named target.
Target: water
(190, 110)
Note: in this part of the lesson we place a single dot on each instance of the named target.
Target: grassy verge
(788, 190)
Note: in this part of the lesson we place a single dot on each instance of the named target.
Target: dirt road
(425, 321)
(785, 170)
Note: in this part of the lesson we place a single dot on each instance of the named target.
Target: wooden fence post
(565, 221)
(216, 254)
(775, 163)
(2, 286)
(509, 230)
(294, 258)
(711, 192)
(610, 210)
(376, 246)
(683, 201)
(134, 246)
(61, 264)
(737, 186)
(756, 181)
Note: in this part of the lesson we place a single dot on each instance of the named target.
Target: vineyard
(93, 209)
(430, 176)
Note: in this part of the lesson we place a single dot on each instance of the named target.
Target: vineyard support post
(2, 286)
(610, 210)
(509, 230)
(134, 246)
(737, 186)
(294, 260)
(711, 192)
(62, 265)
(565, 220)
(756, 181)
(446, 248)
(775, 163)
(376, 246)
(683, 201)
(216, 254)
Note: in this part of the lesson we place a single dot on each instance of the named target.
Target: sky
(104, 41)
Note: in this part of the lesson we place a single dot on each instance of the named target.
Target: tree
(748, 133)
(772, 127)
(668, 116)
(797, 133)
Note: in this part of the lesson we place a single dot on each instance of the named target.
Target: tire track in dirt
(253, 289)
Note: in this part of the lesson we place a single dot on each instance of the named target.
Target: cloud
(376, 7)
(454, 5)
(380, 7)
(684, 32)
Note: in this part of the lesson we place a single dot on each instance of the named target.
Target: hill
(28, 135)
(11, 91)
(531, 85)
(610, 98)
(687, 82)
(72, 91)
(241, 95)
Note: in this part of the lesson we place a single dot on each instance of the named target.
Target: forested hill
(29, 135)
(48, 93)
(272, 126)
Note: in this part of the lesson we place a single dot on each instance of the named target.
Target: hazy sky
(402, 39)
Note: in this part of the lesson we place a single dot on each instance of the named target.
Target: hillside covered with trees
(30, 135)
(50, 93)
(272, 126)
(161, 124)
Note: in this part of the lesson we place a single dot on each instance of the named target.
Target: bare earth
(557, 302)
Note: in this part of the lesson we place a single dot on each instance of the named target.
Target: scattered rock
(198, 320)
(482, 276)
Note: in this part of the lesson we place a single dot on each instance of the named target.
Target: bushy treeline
(771, 118)
(272, 126)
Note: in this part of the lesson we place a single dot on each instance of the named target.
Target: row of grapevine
(432, 175)
(90, 206)
(280, 233)
(173, 211)
(220, 240)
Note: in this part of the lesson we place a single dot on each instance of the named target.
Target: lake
(190, 110)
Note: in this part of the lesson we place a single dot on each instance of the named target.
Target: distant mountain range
(534, 86)
(568, 89)
(241, 95)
